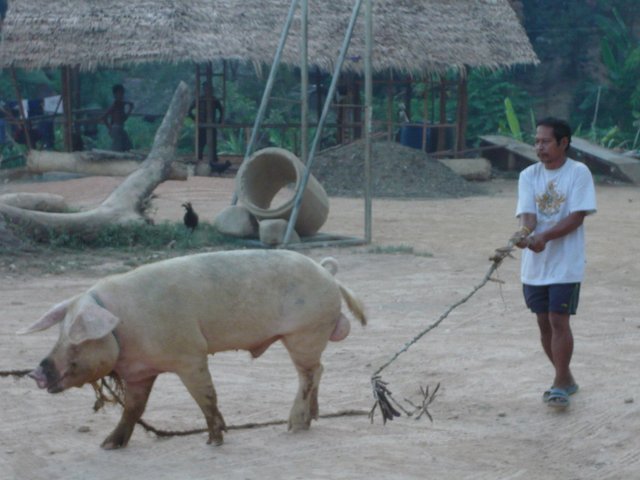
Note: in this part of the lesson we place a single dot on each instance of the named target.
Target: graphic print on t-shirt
(550, 201)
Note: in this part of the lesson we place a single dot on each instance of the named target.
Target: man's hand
(520, 238)
(536, 243)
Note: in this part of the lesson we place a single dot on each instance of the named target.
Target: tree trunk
(126, 204)
(100, 163)
(43, 202)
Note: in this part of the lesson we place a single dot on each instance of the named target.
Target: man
(114, 119)
(554, 196)
(217, 115)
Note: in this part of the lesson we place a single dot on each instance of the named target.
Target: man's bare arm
(528, 222)
(538, 241)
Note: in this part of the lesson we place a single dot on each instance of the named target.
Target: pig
(170, 315)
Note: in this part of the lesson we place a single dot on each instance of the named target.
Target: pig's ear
(91, 323)
(53, 316)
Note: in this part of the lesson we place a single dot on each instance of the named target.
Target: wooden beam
(24, 123)
(442, 133)
(462, 112)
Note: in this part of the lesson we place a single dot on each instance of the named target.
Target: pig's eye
(73, 365)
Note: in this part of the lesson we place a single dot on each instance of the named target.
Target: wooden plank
(516, 155)
(602, 160)
(511, 154)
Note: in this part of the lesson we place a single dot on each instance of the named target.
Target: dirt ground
(489, 420)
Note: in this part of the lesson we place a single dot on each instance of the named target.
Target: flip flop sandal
(571, 389)
(558, 398)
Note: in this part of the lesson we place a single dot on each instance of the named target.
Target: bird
(219, 168)
(190, 217)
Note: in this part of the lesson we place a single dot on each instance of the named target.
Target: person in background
(115, 117)
(217, 113)
(554, 197)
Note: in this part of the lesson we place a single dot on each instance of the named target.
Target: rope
(115, 398)
(245, 426)
(381, 393)
(14, 373)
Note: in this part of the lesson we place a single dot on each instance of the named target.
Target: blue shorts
(557, 298)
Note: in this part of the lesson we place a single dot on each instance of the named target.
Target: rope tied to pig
(109, 390)
(383, 398)
(114, 396)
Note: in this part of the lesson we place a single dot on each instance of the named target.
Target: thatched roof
(410, 35)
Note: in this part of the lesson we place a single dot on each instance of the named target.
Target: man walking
(554, 196)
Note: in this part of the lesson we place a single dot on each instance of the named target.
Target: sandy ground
(489, 420)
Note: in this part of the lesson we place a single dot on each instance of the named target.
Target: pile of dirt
(396, 171)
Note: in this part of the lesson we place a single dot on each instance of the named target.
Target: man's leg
(545, 334)
(561, 348)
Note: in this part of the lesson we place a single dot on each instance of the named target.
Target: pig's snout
(46, 376)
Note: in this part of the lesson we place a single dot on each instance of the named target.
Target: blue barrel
(411, 136)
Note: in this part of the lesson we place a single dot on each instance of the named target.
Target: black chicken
(219, 168)
(190, 217)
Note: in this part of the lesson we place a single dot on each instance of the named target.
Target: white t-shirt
(552, 195)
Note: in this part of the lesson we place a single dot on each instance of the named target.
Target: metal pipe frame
(316, 140)
(267, 90)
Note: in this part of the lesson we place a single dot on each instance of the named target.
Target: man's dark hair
(560, 127)
(117, 88)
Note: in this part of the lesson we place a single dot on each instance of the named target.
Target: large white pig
(168, 316)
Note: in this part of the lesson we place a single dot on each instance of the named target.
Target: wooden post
(224, 83)
(318, 94)
(340, 112)
(356, 108)
(76, 102)
(425, 114)
(196, 119)
(442, 133)
(390, 115)
(24, 123)
(408, 95)
(67, 107)
(210, 111)
(463, 112)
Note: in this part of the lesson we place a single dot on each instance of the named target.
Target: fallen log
(99, 163)
(469, 168)
(127, 203)
(43, 202)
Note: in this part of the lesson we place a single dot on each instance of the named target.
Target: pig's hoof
(297, 425)
(216, 440)
(111, 445)
(115, 440)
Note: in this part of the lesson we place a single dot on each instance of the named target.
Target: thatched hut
(409, 35)
(413, 36)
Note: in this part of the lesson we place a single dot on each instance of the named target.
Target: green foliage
(33, 83)
(12, 155)
(564, 35)
(142, 132)
(488, 95)
(615, 44)
(145, 236)
(620, 96)
(512, 119)
(233, 142)
(557, 30)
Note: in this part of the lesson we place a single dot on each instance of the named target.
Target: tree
(126, 204)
